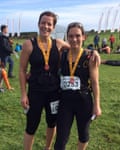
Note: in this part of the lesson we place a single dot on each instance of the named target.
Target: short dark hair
(48, 13)
(3, 27)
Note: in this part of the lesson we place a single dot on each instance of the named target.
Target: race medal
(73, 68)
(46, 67)
(71, 80)
(46, 53)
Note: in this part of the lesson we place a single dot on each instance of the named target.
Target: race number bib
(54, 107)
(66, 83)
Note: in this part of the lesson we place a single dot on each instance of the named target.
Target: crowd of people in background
(104, 45)
(6, 59)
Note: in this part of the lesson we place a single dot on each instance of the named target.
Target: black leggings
(39, 100)
(78, 105)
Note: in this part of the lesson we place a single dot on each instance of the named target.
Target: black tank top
(82, 70)
(40, 79)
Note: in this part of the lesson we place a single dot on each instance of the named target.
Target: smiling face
(75, 36)
(46, 26)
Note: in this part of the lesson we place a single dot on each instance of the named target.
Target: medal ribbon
(46, 54)
(73, 68)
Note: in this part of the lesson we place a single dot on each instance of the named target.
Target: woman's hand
(97, 111)
(96, 57)
(25, 101)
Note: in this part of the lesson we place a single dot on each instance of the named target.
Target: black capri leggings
(73, 104)
(39, 100)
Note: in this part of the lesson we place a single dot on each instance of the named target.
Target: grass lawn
(104, 131)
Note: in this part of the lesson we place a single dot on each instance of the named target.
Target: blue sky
(27, 11)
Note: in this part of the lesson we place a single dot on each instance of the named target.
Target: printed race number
(54, 107)
(66, 83)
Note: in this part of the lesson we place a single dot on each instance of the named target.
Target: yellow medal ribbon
(46, 53)
(73, 68)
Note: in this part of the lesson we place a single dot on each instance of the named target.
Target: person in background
(4, 77)
(118, 50)
(112, 41)
(10, 62)
(79, 81)
(6, 50)
(96, 41)
(106, 49)
(42, 55)
(18, 47)
(104, 42)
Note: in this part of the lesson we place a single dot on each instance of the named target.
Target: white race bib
(66, 83)
(54, 107)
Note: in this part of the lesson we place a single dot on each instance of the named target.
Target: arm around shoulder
(96, 57)
(62, 44)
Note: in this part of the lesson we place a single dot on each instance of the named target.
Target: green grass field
(104, 131)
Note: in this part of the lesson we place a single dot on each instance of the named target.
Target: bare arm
(96, 58)
(94, 76)
(25, 53)
(62, 44)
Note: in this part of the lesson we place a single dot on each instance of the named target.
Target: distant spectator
(106, 49)
(18, 47)
(112, 40)
(3, 77)
(6, 49)
(5, 44)
(104, 42)
(96, 41)
(118, 49)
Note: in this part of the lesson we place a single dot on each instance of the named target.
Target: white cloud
(88, 14)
